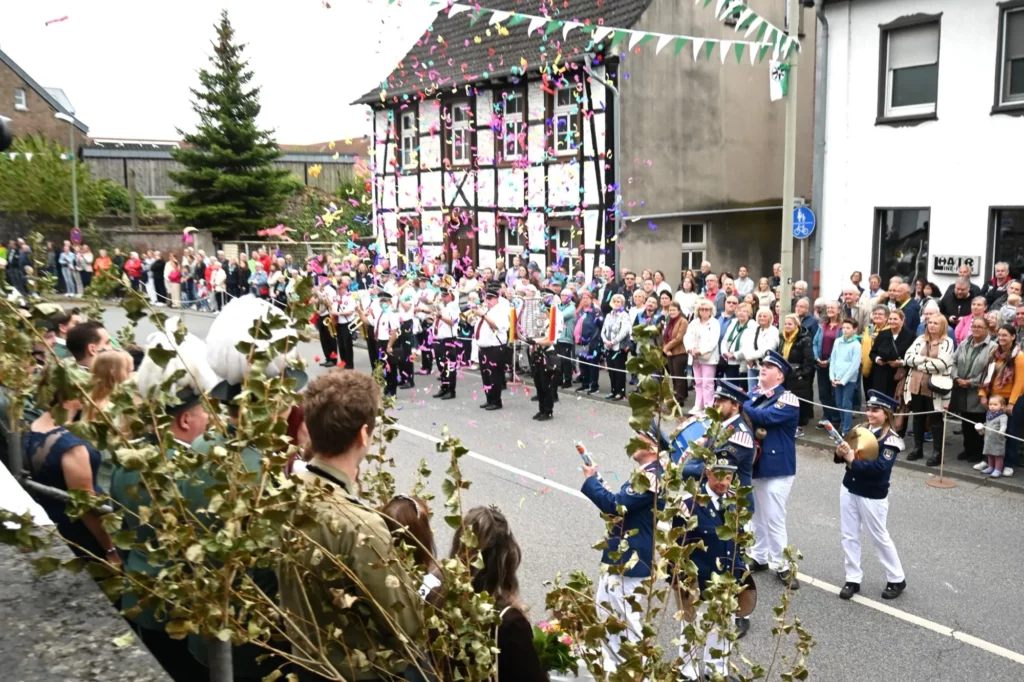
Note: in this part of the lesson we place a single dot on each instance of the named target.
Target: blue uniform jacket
(639, 515)
(718, 555)
(739, 448)
(871, 479)
(777, 412)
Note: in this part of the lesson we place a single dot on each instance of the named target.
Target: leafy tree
(37, 181)
(231, 184)
(117, 200)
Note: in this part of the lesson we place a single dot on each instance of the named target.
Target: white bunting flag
(600, 32)
(786, 45)
(697, 44)
(723, 49)
(569, 25)
(744, 15)
(720, 6)
(753, 26)
(635, 37)
(458, 8)
(14, 155)
(28, 156)
(754, 49)
(662, 42)
(499, 16)
(536, 23)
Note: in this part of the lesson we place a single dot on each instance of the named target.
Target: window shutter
(914, 46)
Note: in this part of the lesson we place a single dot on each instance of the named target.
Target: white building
(924, 139)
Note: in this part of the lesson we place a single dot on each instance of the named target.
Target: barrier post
(941, 481)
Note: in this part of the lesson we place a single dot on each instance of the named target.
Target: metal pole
(803, 243)
(789, 162)
(133, 200)
(74, 171)
(820, 96)
(616, 142)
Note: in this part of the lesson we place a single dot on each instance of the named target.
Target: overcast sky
(127, 65)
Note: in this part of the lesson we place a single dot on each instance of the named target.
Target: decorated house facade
(496, 134)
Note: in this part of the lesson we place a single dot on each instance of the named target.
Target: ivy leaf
(161, 356)
(46, 564)
(127, 639)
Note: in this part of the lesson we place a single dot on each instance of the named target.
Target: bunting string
(747, 20)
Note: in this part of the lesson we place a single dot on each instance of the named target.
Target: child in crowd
(995, 437)
(844, 371)
(203, 294)
(1008, 313)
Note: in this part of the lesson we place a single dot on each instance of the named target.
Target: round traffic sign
(803, 222)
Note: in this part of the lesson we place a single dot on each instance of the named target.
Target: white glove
(979, 427)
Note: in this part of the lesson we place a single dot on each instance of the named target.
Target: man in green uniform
(370, 607)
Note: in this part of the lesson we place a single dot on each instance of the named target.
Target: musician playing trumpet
(345, 316)
(864, 503)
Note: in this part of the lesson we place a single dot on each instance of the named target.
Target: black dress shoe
(544, 416)
(592, 391)
(893, 590)
(742, 627)
(756, 566)
(407, 385)
(484, 406)
(580, 389)
(448, 396)
(566, 384)
(440, 394)
(327, 363)
(962, 456)
(933, 461)
(492, 407)
(917, 454)
(789, 579)
(849, 589)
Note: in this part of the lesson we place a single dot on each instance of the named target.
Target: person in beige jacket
(675, 350)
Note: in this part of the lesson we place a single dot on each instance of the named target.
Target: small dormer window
(20, 102)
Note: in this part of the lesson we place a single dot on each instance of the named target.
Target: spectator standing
(701, 340)
(879, 321)
(118, 261)
(874, 290)
(67, 270)
(743, 284)
(133, 268)
(995, 288)
(52, 268)
(701, 279)
(799, 291)
(964, 322)
(588, 340)
(957, 302)
(220, 285)
(970, 365)
(1005, 376)
(775, 281)
(156, 272)
(565, 345)
(231, 278)
(615, 337)
(660, 284)
(173, 271)
(905, 302)
(732, 346)
(797, 347)
(764, 295)
(85, 266)
(762, 339)
(687, 297)
(802, 310)
(995, 436)
(102, 263)
(844, 371)
(829, 328)
(930, 361)
(674, 348)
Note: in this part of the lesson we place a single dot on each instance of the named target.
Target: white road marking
(806, 579)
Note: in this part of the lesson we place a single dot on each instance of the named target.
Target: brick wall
(39, 119)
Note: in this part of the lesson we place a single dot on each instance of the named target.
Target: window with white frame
(567, 244)
(409, 140)
(911, 70)
(515, 239)
(565, 118)
(1011, 57)
(513, 143)
(461, 129)
(20, 102)
(695, 246)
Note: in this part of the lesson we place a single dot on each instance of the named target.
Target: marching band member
(407, 335)
(864, 503)
(446, 345)
(491, 337)
(385, 332)
(424, 308)
(717, 556)
(369, 315)
(638, 525)
(542, 357)
(777, 411)
(345, 312)
(326, 295)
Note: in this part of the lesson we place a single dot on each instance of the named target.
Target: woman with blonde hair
(764, 294)
(927, 388)
(701, 343)
(109, 370)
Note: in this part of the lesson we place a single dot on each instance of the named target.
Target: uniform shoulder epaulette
(742, 439)
(788, 398)
(893, 440)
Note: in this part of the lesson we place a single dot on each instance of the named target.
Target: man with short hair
(87, 340)
(799, 291)
(995, 288)
(874, 289)
(853, 307)
(931, 308)
(744, 285)
(728, 289)
(702, 276)
(776, 279)
(629, 285)
(956, 302)
(905, 302)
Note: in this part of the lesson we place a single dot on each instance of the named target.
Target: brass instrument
(862, 442)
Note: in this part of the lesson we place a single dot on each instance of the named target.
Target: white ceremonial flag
(723, 49)
(458, 8)
(536, 23)
(662, 42)
(499, 16)
(697, 44)
(635, 37)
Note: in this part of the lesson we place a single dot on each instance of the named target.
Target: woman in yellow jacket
(879, 322)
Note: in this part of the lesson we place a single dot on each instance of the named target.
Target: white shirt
(500, 315)
(345, 307)
(443, 330)
(385, 323)
(743, 286)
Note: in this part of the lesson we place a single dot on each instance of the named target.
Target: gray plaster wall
(61, 627)
(703, 135)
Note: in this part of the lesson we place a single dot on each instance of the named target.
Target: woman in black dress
(795, 344)
(888, 349)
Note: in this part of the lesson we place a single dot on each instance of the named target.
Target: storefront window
(901, 243)
(1008, 239)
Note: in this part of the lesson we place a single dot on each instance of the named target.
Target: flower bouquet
(553, 648)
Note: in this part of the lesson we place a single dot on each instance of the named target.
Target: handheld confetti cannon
(588, 460)
(861, 441)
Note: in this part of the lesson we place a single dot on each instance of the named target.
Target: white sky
(127, 65)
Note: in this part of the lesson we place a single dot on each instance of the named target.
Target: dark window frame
(876, 239)
(998, 106)
(883, 71)
(990, 258)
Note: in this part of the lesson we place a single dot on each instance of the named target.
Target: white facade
(446, 178)
(963, 164)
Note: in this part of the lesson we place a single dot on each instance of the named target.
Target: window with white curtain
(461, 133)
(1011, 62)
(409, 140)
(513, 106)
(20, 103)
(911, 70)
(566, 114)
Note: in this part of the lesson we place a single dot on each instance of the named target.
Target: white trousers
(695, 662)
(855, 513)
(769, 522)
(614, 589)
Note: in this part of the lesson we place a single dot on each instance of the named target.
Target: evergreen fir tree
(231, 184)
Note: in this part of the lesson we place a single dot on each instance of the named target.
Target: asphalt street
(959, 618)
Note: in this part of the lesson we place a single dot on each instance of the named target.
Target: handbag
(940, 384)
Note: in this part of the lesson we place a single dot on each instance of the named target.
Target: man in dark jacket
(956, 302)
(156, 271)
(995, 288)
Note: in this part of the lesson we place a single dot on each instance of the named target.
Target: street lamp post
(61, 116)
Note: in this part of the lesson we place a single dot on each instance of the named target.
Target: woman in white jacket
(762, 339)
(701, 342)
(615, 336)
(733, 347)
